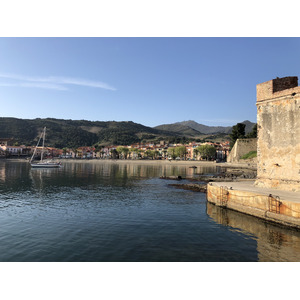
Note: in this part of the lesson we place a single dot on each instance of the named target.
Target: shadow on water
(274, 243)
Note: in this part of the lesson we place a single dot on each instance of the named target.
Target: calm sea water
(103, 212)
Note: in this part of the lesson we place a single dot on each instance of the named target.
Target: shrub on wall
(249, 155)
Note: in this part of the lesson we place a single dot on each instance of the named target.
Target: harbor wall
(240, 148)
(254, 203)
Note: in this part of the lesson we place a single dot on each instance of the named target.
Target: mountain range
(73, 133)
(193, 128)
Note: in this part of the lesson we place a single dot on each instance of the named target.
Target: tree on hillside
(64, 151)
(123, 150)
(135, 151)
(165, 151)
(141, 152)
(207, 151)
(74, 149)
(196, 152)
(97, 149)
(171, 152)
(150, 153)
(180, 152)
(238, 132)
(253, 133)
(114, 153)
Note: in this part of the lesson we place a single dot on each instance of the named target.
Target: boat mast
(44, 133)
(36, 147)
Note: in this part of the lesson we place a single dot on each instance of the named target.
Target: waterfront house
(2, 153)
(221, 152)
(54, 152)
(189, 152)
(16, 150)
(85, 152)
(38, 151)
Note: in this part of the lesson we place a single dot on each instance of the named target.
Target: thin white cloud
(59, 81)
(35, 85)
(82, 82)
(44, 86)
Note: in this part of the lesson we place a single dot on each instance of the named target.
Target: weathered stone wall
(278, 147)
(255, 204)
(240, 148)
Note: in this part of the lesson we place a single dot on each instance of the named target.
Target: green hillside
(74, 133)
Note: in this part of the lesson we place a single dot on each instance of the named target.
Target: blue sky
(147, 80)
(151, 81)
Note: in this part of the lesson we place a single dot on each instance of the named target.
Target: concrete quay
(282, 207)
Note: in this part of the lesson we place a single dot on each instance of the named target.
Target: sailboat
(43, 163)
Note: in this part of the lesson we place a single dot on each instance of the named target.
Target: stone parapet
(277, 88)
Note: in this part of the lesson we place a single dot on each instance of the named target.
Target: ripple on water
(111, 212)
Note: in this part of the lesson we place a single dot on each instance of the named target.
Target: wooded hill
(74, 133)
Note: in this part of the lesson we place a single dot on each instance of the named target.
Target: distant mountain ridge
(188, 126)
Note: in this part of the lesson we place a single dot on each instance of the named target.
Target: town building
(2, 153)
(15, 151)
(85, 152)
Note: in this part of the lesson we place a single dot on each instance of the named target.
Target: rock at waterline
(192, 187)
(171, 177)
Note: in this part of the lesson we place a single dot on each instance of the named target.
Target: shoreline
(186, 163)
(142, 162)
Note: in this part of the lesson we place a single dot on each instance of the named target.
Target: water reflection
(274, 243)
(100, 211)
(18, 176)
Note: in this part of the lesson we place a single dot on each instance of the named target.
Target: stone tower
(278, 146)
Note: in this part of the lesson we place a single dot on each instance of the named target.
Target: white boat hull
(46, 165)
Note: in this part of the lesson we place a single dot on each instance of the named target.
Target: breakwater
(281, 207)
